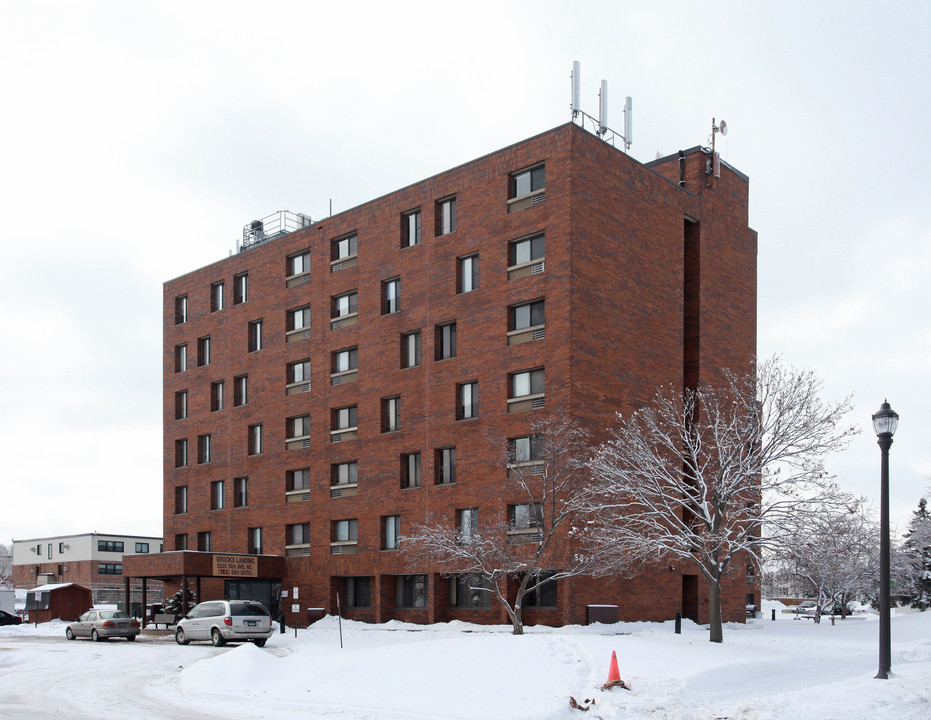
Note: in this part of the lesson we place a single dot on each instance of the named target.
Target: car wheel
(217, 638)
(69, 634)
(94, 636)
(130, 637)
(259, 642)
(180, 637)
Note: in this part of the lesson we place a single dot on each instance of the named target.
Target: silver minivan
(222, 621)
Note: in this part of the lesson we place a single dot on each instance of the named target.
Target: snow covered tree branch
(712, 475)
(548, 486)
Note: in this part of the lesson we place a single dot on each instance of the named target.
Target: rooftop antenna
(576, 80)
(601, 123)
(603, 108)
(713, 163)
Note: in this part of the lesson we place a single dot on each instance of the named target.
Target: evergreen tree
(918, 549)
(174, 604)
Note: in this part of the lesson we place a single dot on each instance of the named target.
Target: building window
(217, 495)
(526, 188)
(298, 264)
(345, 530)
(467, 274)
(390, 414)
(446, 341)
(467, 525)
(298, 377)
(411, 591)
(203, 351)
(255, 439)
(298, 319)
(240, 288)
(527, 315)
(390, 296)
(181, 405)
(298, 427)
(444, 463)
(343, 253)
(392, 532)
(526, 257)
(410, 228)
(203, 449)
(345, 360)
(240, 492)
(344, 310)
(345, 247)
(217, 397)
(297, 539)
(109, 546)
(346, 473)
(181, 310)
(240, 390)
(180, 358)
(344, 366)
(255, 540)
(181, 500)
(298, 534)
(255, 336)
(181, 453)
(344, 423)
(469, 592)
(527, 449)
(142, 547)
(446, 216)
(526, 390)
(467, 400)
(358, 592)
(410, 470)
(181, 541)
(410, 349)
(298, 479)
(203, 541)
(109, 569)
(528, 516)
(544, 596)
(216, 296)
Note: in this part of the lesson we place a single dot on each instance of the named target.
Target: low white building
(94, 560)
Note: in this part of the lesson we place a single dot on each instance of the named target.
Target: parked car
(807, 607)
(222, 621)
(9, 618)
(102, 625)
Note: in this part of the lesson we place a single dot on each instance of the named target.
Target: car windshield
(113, 614)
(248, 609)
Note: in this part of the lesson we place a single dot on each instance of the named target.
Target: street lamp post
(885, 423)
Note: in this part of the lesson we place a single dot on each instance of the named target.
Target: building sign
(235, 566)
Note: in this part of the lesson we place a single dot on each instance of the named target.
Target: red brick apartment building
(325, 388)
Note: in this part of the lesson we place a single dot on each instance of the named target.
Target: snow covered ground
(764, 670)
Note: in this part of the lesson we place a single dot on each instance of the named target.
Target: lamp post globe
(885, 423)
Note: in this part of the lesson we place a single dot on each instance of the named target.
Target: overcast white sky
(136, 139)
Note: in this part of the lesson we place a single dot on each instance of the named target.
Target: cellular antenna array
(601, 122)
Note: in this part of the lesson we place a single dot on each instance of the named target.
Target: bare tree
(549, 472)
(6, 563)
(712, 475)
(835, 550)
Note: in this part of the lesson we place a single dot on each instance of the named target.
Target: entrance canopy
(186, 564)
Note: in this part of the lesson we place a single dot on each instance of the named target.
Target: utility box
(606, 614)
(8, 600)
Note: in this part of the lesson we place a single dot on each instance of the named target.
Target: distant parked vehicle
(222, 621)
(9, 618)
(102, 625)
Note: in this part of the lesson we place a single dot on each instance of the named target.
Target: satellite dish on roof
(723, 128)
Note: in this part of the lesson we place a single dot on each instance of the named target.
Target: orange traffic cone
(614, 675)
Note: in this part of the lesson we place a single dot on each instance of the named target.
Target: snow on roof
(48, 588)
